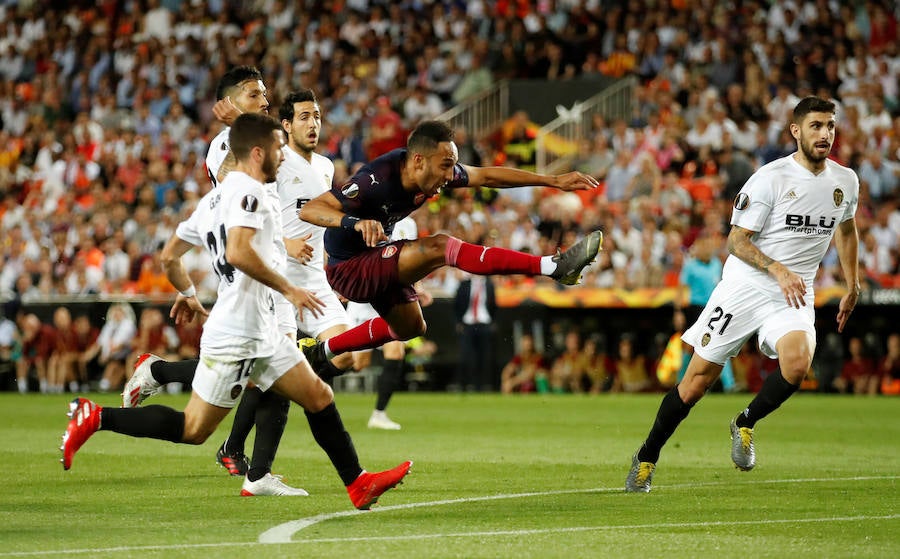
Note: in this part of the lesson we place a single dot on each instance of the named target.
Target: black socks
(175, 371)
(244, 420)
(271, 419)
(775, 390)
(388, 381)
(155, 422)
(328, 430)
(672, 412)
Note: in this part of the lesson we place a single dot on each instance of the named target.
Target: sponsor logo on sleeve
(249, 203)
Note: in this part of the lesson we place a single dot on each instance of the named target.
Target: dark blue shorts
(371, 277)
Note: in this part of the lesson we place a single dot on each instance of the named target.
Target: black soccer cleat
(569, 264)
(236, 463)
(315, 353)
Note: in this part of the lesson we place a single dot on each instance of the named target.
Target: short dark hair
(428, 134)
(235, 77)
(251, 130)
(286, 110)
(811, 104)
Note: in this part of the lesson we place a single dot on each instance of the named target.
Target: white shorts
(285, 316)
(332, 315)
(736, 311)
(223, 372)
(360, 312)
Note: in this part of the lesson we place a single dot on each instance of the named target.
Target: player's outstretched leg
(570, 263)
(315, 353)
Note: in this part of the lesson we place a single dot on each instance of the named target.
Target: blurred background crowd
(105, 119)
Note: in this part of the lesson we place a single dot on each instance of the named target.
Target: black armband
(349, 222)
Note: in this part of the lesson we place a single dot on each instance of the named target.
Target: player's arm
(326, 211)
(792, 285)
(239, 252)
(186, 305)
(505, 177)
(847, 242)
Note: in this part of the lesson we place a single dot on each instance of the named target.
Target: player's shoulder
(220, 142)
(841, 171)
(776, 167)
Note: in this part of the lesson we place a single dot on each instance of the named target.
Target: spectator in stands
(858, 374)
(526, 371)
(630, 368)
(475, 308)
(38, 343)
(889, 366)
(113, 345)
(569, 368)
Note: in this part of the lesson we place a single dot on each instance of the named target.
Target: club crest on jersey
(389, 251)
(351, 190)
(838, 196)
(249, 203)
(741, 201)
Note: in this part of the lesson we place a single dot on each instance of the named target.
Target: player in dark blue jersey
(365, 266)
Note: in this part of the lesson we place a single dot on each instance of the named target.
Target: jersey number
(216, 246)
(245, 368)
(719, 314)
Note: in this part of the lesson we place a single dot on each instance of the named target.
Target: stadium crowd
(105, 119)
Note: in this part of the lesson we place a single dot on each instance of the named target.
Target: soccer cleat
(366, 489)
(270, 485)
(84, 422)
(141, 385)
(315, 353)
(640, 476)
(380, 420)
(570, 263)
(235, 462)
(742, 452)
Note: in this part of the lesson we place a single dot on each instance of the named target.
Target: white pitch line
(304, 523)
(284, 533)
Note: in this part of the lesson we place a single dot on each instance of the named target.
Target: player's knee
(319, 398)
(343, 361)
(411, 330)
(195, 435)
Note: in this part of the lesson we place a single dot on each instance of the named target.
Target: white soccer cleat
(270, 485)
(141, 385)
(380, 420)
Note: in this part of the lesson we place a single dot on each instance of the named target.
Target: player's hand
(226, 111)
(576, 181)
(792, 286)
(372, 232)
(299, 249)
(186, 308)
(305, 299)
(846, 306)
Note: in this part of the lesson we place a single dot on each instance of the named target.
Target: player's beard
(270, 168)
(808, 149)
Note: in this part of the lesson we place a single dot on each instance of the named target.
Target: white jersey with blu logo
(218, 149)
(244, 307)
(299, 181)
(794, 214)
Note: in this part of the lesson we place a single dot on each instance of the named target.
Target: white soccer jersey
(299, 181)
(218, 149)
(244, 307)
(795, 214)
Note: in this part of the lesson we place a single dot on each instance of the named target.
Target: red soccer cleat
(84, 422)
(366, 489)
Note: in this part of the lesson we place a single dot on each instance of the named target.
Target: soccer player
(238, 224)
(365, 266)
(240, 90)
(783, 222)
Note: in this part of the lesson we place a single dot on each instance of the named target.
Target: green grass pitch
(494, 477)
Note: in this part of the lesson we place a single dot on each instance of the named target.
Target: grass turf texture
(494, 476)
